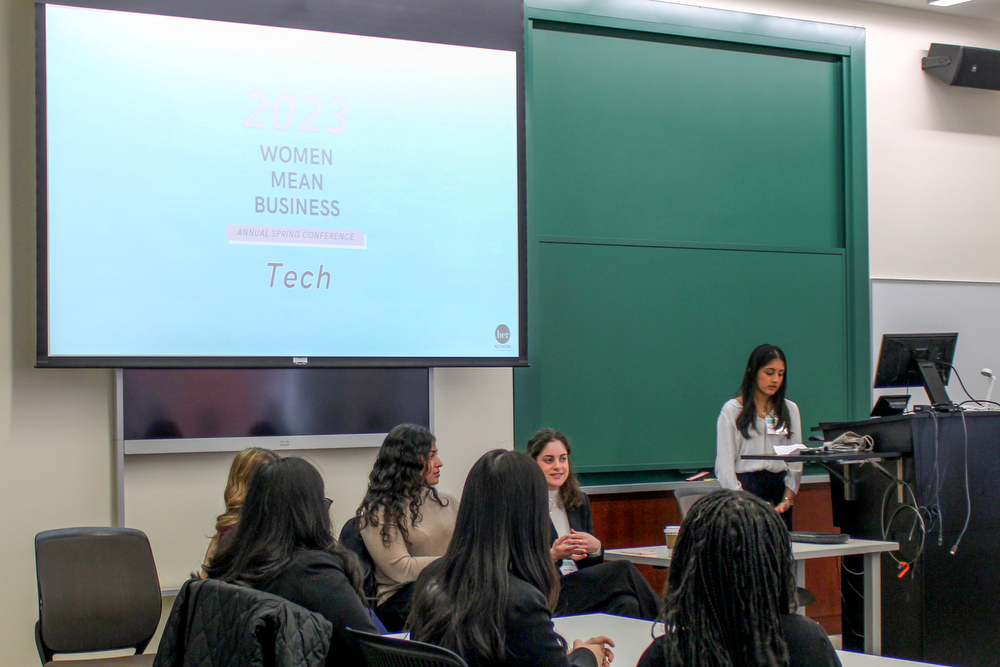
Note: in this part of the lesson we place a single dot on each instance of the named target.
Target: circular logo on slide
(503, 334)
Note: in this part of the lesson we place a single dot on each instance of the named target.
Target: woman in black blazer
(489, 598)
(589, 585)
(284, 545)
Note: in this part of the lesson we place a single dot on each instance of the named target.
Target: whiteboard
(934, 306)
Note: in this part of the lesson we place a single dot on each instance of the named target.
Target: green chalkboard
(636, 138)
(693, 191)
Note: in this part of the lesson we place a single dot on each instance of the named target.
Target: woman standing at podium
(753, 423)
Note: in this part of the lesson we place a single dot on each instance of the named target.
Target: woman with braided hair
(731, 593)
(404, 521)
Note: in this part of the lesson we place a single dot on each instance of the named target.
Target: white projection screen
(217, 193)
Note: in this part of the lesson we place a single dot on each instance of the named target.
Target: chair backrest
(217, 623)
(382, 651)
(688, 495)
(351, 538)
(97, 591)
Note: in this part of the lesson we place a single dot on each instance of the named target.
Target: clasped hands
(600, 647)
(577, 545)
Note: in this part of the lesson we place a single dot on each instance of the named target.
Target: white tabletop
(632, 637)
(660, 555)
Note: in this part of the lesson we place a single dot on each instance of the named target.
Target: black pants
(614, 587)
(767, 485)
(394, 611)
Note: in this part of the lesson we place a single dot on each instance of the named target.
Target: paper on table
(785, 450)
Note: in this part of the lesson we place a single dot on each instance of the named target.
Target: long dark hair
(396, 484)
(285, 510)
(502, 529)
(731, 579)
(761, 356)
(570, 494)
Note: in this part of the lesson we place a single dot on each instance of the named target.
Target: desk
(633, 636)
(841, 465)
(801, 552)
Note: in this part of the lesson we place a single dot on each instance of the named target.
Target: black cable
(849, 570)
(960, 381)
(968, 499)
(886, 525)
(860, 595)
(847, 619)
(979, 402)
(938, 476)
(932, 517)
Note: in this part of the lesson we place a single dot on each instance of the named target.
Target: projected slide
(219, 189)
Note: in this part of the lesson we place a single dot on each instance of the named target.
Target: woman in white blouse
(753, 423)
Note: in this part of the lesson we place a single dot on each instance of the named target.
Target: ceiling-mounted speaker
(964, 66)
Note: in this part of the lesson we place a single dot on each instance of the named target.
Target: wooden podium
(946, 608)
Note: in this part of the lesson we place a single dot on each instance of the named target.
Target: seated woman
(731, 591)
(589, 585)
(490, 598)
(245, 464)
(405, 522)
(284, 545)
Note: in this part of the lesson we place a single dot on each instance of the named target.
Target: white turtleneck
(561, 522)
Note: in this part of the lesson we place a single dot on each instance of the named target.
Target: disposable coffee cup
(670, 535)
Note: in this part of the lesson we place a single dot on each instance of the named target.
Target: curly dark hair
(570, 494)
(396, 486)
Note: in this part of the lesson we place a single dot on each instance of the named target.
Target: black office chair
(380, 651)
(97, 591)
(687, 496)
(351, 538)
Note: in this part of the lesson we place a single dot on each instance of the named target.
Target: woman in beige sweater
(405, 522)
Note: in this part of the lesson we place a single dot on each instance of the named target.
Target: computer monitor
(917, 360)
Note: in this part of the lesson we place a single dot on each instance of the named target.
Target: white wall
(56, 427)
(971, 309)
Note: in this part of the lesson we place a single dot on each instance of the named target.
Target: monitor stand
(936, 392)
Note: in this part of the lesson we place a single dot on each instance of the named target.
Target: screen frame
(229, 443)
(496, 24)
